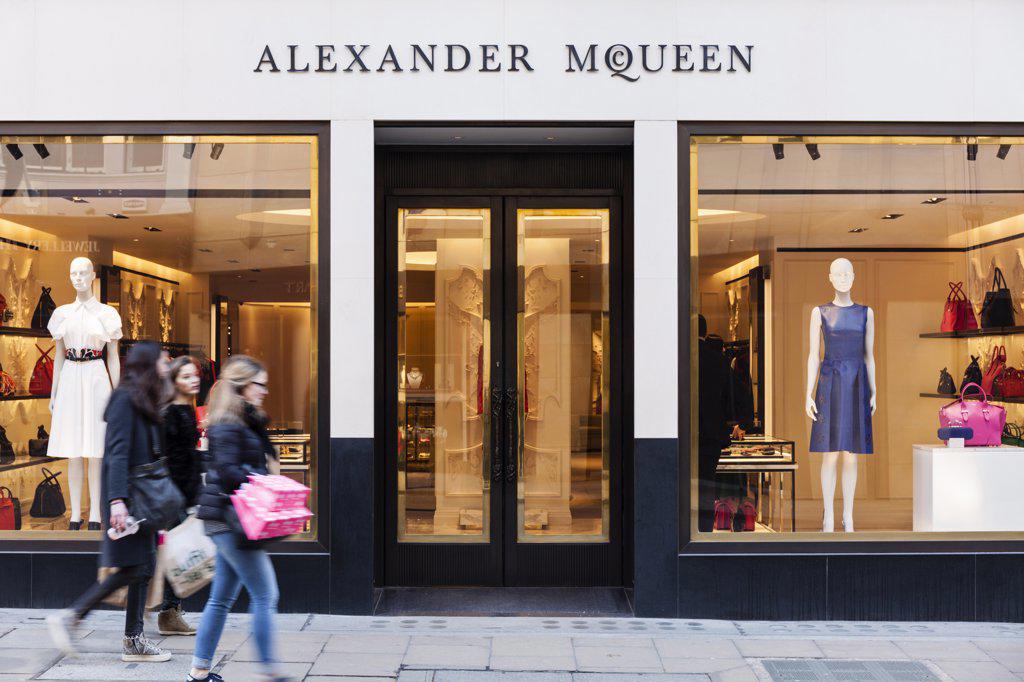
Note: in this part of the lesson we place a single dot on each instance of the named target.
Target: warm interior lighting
(285, 216)
(421, 257)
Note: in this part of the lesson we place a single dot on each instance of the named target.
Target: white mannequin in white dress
(82, 385)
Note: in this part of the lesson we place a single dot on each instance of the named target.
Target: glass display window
(855, 295)
(206, 244)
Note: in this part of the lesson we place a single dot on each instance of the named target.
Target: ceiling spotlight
(118, 216)
(255, 270)
(812, 151)
(288, 250)
(779, 150)
(931, 201)
(858, 230)
(206, 250)
(232, 260)
(1004, 149)
(76, 200)
(892, 216)
(456, 138)
(216, 151)
(550, 138)
(135, 239)
(14, 150)
(150, 228)
(972, 152)
(41, 150)
(189, 150)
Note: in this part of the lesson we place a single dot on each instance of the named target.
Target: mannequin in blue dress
(844, 402)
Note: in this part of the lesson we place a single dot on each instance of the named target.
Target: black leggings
(136, 578)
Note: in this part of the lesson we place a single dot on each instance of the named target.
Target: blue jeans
(235, 568)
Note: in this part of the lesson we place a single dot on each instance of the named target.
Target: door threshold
(548, 602)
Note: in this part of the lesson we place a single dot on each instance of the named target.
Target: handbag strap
(955, 289)
(44, 353)
(998, 279)
(963, 392)
(49, 477)
(10, 495)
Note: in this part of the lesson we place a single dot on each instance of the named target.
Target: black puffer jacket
(235, 451)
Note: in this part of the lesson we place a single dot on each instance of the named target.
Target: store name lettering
(626, 62)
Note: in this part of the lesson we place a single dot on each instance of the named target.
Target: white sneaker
(62, 626)
(141, 650)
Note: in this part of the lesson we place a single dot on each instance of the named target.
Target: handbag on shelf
(42, 374)
(48, 501)
(946, 385)
(7, 385)
(5, 313)
(958, 315)
(10, 510)
(1010, 384)
(725, 511)
(6, 448)
(996, 365)
(44, 309)
(1013, 434)
(972, 375)
(986, 420)
(997, 309)
(745, 519)
(37, 447)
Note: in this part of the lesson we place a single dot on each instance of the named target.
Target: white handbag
(187, 557)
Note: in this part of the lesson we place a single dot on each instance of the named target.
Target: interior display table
(967, 489)
(768, 460)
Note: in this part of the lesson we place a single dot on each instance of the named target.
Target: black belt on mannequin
(83, 354)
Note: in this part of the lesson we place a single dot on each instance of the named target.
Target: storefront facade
(479, 259)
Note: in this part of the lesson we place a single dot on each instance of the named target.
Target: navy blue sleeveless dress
(843, 397)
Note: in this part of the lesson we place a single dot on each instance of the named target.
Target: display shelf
(25, 397)
(973, 396)
(22, 462)
(972, 333)
(24, 331)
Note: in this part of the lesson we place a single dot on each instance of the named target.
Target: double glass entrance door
(500, 389)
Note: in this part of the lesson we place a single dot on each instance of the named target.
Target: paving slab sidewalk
(441, 649)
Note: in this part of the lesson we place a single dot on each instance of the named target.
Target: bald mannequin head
(82, 275)
(840, 274)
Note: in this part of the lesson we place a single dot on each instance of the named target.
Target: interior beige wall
(271, 333)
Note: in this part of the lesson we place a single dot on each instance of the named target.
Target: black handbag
(1013, 434)
(997, 309)
(44, 310)
(37, 446)
(946, 385)
(153, 499)
(48, 502)
(6, 448)
(972, 375)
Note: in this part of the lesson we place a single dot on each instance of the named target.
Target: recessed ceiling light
(288, 250)
(550, 138)
(206, 250)
(118, 216)
(892, 216)
(255, 270)
(858, 230)
(238, 277)
(76, 200)
(232, 260)
(150, 228)
(456, 137)
(934, 200)
(135, 239)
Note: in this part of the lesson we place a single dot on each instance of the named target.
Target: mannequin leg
(95, 466)
(76, 476)
(829, 460)
(849, 488)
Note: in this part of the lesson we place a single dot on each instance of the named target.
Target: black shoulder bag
(997, 309)
(44, 309)
(48, 501)
(153, 498)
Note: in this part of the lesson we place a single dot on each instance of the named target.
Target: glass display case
(754, 469)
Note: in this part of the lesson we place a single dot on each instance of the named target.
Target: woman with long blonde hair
(236, 428)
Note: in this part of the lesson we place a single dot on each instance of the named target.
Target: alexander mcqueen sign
(628, 62)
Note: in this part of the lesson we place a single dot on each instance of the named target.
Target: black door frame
(503, 560)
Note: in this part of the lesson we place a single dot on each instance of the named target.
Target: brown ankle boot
(172, 622)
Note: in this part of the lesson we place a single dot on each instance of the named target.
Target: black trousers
(136, 579)
(171, 600)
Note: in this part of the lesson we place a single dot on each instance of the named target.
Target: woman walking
(181, 433)
(238, 446)
(132, 439)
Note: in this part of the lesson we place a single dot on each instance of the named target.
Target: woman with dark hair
(132, 434)
(181, 433)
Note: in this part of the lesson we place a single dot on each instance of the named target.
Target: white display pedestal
(967, 489)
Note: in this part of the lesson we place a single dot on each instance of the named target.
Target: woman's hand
(118, 515)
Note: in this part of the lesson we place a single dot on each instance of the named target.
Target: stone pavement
(440, 649)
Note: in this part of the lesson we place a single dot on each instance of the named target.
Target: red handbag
(10, 510)
(746, 516)
(1010, 384)
(996, 365)
(958, 315)
(42, 374)
(724, 513)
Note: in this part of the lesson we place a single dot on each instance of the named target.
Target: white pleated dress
(83, 388)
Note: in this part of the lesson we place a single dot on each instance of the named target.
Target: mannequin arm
(813, 363)
(869, 354)
(113, 364)
(58, 363)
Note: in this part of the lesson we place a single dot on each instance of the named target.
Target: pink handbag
(986, 420)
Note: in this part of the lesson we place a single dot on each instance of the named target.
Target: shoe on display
(94, 525)
(62, 626)
(172, 622)
(140, 650)
(74, 525)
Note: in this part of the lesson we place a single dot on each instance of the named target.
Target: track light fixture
(780, 151)
(216, 151)
(41, 150)
(812, 151)
(1004, 149)
(972, 152)
(14, 150)
(189, 150)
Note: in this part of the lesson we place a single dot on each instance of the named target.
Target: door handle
(496, 434)
(511, 412)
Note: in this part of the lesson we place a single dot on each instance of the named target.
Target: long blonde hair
(225, 404)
